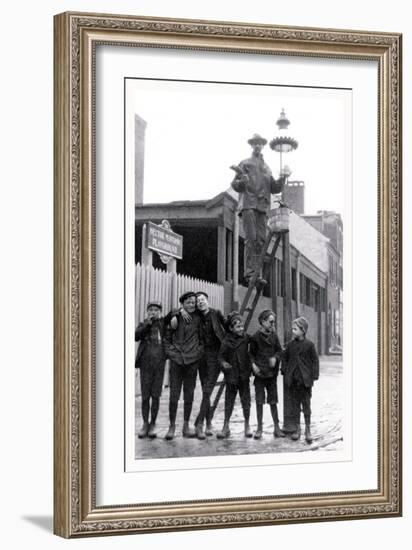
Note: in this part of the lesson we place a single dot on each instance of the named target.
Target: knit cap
(302, 323)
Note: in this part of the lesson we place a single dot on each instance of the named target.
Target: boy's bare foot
(142, 433)
(296, 435)
(258, 433)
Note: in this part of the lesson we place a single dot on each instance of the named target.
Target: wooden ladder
(250, 309)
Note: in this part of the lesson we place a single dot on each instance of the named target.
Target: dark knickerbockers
(300, 368)
(235, 359)
(150, 359)
(184, 348)
(265, 351)
(213, 332)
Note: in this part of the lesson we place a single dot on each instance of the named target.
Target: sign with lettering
(164, 241)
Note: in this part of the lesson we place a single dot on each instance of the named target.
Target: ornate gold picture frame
(77, 511)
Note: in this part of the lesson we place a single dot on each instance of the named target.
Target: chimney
(139, 133)
(294, 196)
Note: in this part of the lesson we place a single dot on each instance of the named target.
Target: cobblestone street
(327, 412)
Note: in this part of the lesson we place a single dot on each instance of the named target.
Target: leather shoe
(200, 434)
(188, 432)
(152, 431)
(209, 429)
(224, 432)
(142, 433)
(308, 435)
(170, 433)
(248, 431)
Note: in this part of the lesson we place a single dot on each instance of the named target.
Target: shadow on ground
(43, 522)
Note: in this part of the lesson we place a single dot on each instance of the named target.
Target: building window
(308, 291)
(316, 297)
(302, 288)
(293, 278)
(229, 255)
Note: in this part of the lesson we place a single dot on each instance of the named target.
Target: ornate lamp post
(285, 144)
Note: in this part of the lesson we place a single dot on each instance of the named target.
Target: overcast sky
(195, 131)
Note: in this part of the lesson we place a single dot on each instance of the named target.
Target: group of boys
(198, 339)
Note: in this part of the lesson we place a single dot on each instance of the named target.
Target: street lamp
(279, 223)
(283, 144)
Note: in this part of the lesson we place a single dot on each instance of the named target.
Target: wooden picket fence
(155, 284)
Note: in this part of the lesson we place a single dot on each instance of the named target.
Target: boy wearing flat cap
(184, 348)
(255, 183)
(300, 367)
(265, 351)
(150, 359)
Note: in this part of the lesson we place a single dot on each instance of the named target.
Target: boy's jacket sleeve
(252, 348)
(223, 355)
(141, 330)
(315, 362)
(284, 357)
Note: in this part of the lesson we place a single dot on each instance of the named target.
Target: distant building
(294, 196)
(140, 131)
(330, 224)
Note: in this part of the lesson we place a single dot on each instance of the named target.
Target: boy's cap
(186, 295)
(201, 293)
(302, 323)
(154, 303)
(265, 314)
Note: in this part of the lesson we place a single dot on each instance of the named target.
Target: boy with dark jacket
(184, 348)
(212, 324)
(300, 367)
(265, 351)
(150, 359)
(235, 360)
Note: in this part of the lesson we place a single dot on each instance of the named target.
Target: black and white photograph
(227, 274)
(242, 202)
